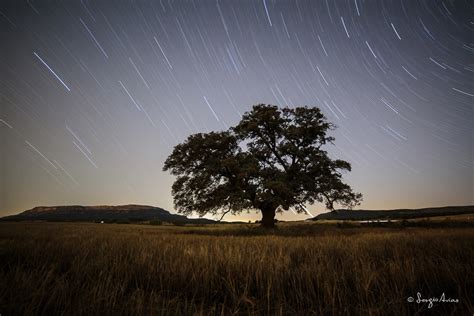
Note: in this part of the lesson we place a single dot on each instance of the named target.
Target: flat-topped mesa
(42, 209)
(75, 208)
(395, 214)
(131, 212)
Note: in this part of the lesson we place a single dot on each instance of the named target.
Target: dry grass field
(305, 269)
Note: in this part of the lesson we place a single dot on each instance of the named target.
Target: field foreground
(111, 269)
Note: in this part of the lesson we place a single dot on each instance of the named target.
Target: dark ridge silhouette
(359, 215)
(106, 213)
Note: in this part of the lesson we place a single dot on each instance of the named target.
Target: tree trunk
(268, 216)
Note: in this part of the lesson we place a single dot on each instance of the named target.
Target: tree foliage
(271, 160)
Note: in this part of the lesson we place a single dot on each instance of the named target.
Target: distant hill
(120, 213)
(394, 214)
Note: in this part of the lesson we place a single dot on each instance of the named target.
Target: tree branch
(273, 150)
(224, 214)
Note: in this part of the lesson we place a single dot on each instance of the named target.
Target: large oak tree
(271, 161)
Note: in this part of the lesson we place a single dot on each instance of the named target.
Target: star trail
(95, 94)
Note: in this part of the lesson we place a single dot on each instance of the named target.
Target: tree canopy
(271, 160)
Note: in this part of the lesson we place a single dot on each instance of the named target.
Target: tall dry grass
(93, 269)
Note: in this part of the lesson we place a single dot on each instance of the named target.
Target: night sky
(94, 95)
